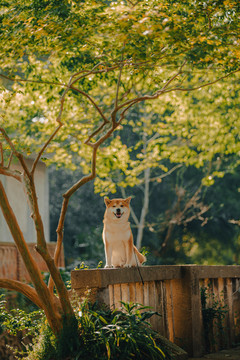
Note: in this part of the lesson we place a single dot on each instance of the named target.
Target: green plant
(18, 327)
(107, 334)
(104, 334)
(16, 320)
(213, 313)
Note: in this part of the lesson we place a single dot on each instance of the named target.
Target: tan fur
(117, 235)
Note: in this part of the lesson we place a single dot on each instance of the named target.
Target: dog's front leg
(129, 252)
(108, 255)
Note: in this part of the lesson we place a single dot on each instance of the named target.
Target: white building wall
(19, 204)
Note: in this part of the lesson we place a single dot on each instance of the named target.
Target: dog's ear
(127, 200)
(107, 201)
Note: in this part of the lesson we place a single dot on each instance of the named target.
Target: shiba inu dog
(117, 235)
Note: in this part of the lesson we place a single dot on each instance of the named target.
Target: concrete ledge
(101, 278)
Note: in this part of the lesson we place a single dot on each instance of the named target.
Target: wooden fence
(11, 263)
(199, 305)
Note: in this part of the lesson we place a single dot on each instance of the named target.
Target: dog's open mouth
(118, 215)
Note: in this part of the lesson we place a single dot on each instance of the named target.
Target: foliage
(17, 327)
(83, 223)
(117, 334)
(213, 313)
(212, 240)
(16, 320)
(70, 74)
(160, 135)
(147, 42)
(194, 236)
(103, 334)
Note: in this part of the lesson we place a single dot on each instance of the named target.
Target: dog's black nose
(118, 210)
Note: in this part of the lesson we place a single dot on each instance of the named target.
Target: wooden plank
(230, 311)
(132, 292)
(139, 293)
(165, 311)
(117, 296)
(125, 293)
(159, 300)
(152, 303)
(170, 310)
(111, 296)
(223, 333)
(236, 310)
(146, 294)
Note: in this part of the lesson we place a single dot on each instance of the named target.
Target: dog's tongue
(118, 215)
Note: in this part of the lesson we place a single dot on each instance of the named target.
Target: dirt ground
(232, 354)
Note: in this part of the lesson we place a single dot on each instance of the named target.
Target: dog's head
(117, 210)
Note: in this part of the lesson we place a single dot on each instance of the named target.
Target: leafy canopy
(122, 52)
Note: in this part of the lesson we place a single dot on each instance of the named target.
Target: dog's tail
(141, 258)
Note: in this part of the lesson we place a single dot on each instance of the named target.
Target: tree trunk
(50, 303)
(145, 206)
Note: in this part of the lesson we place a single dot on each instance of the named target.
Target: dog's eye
(114, 205)
(121, 205)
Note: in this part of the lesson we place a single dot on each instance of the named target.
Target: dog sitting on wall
(117, 235)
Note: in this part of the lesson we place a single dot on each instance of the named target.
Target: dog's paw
(127, 265)
(107, 266)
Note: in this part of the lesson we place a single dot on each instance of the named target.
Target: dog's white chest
(117, 235)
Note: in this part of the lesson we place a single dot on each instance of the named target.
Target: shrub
(103, 334)
(107, 334)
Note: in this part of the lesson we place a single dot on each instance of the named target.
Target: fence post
(186, 300)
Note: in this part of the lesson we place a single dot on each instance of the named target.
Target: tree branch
(1, 152)
(23, 288)
(134, 216)
(15, 152)
(66, 197)
(167, 173)
(11, 173)
(92, 101)
(203, 85)
(5, 170)
(48, 302)
(44, 147)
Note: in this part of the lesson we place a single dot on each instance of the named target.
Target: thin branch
(167, 173)
(105, 70)
(92, 101)
(164, 90)
(98, 130)
(44, 147)
(66, 197)
(59, 231)
(115, 110)
(23, 288)
(10, 160)
(134, 216)
(15, 152)
(2, 158)
(203, 85)
(90, 72)
(172, 78)
(131, 102)
(16, 175)
(118, 85)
